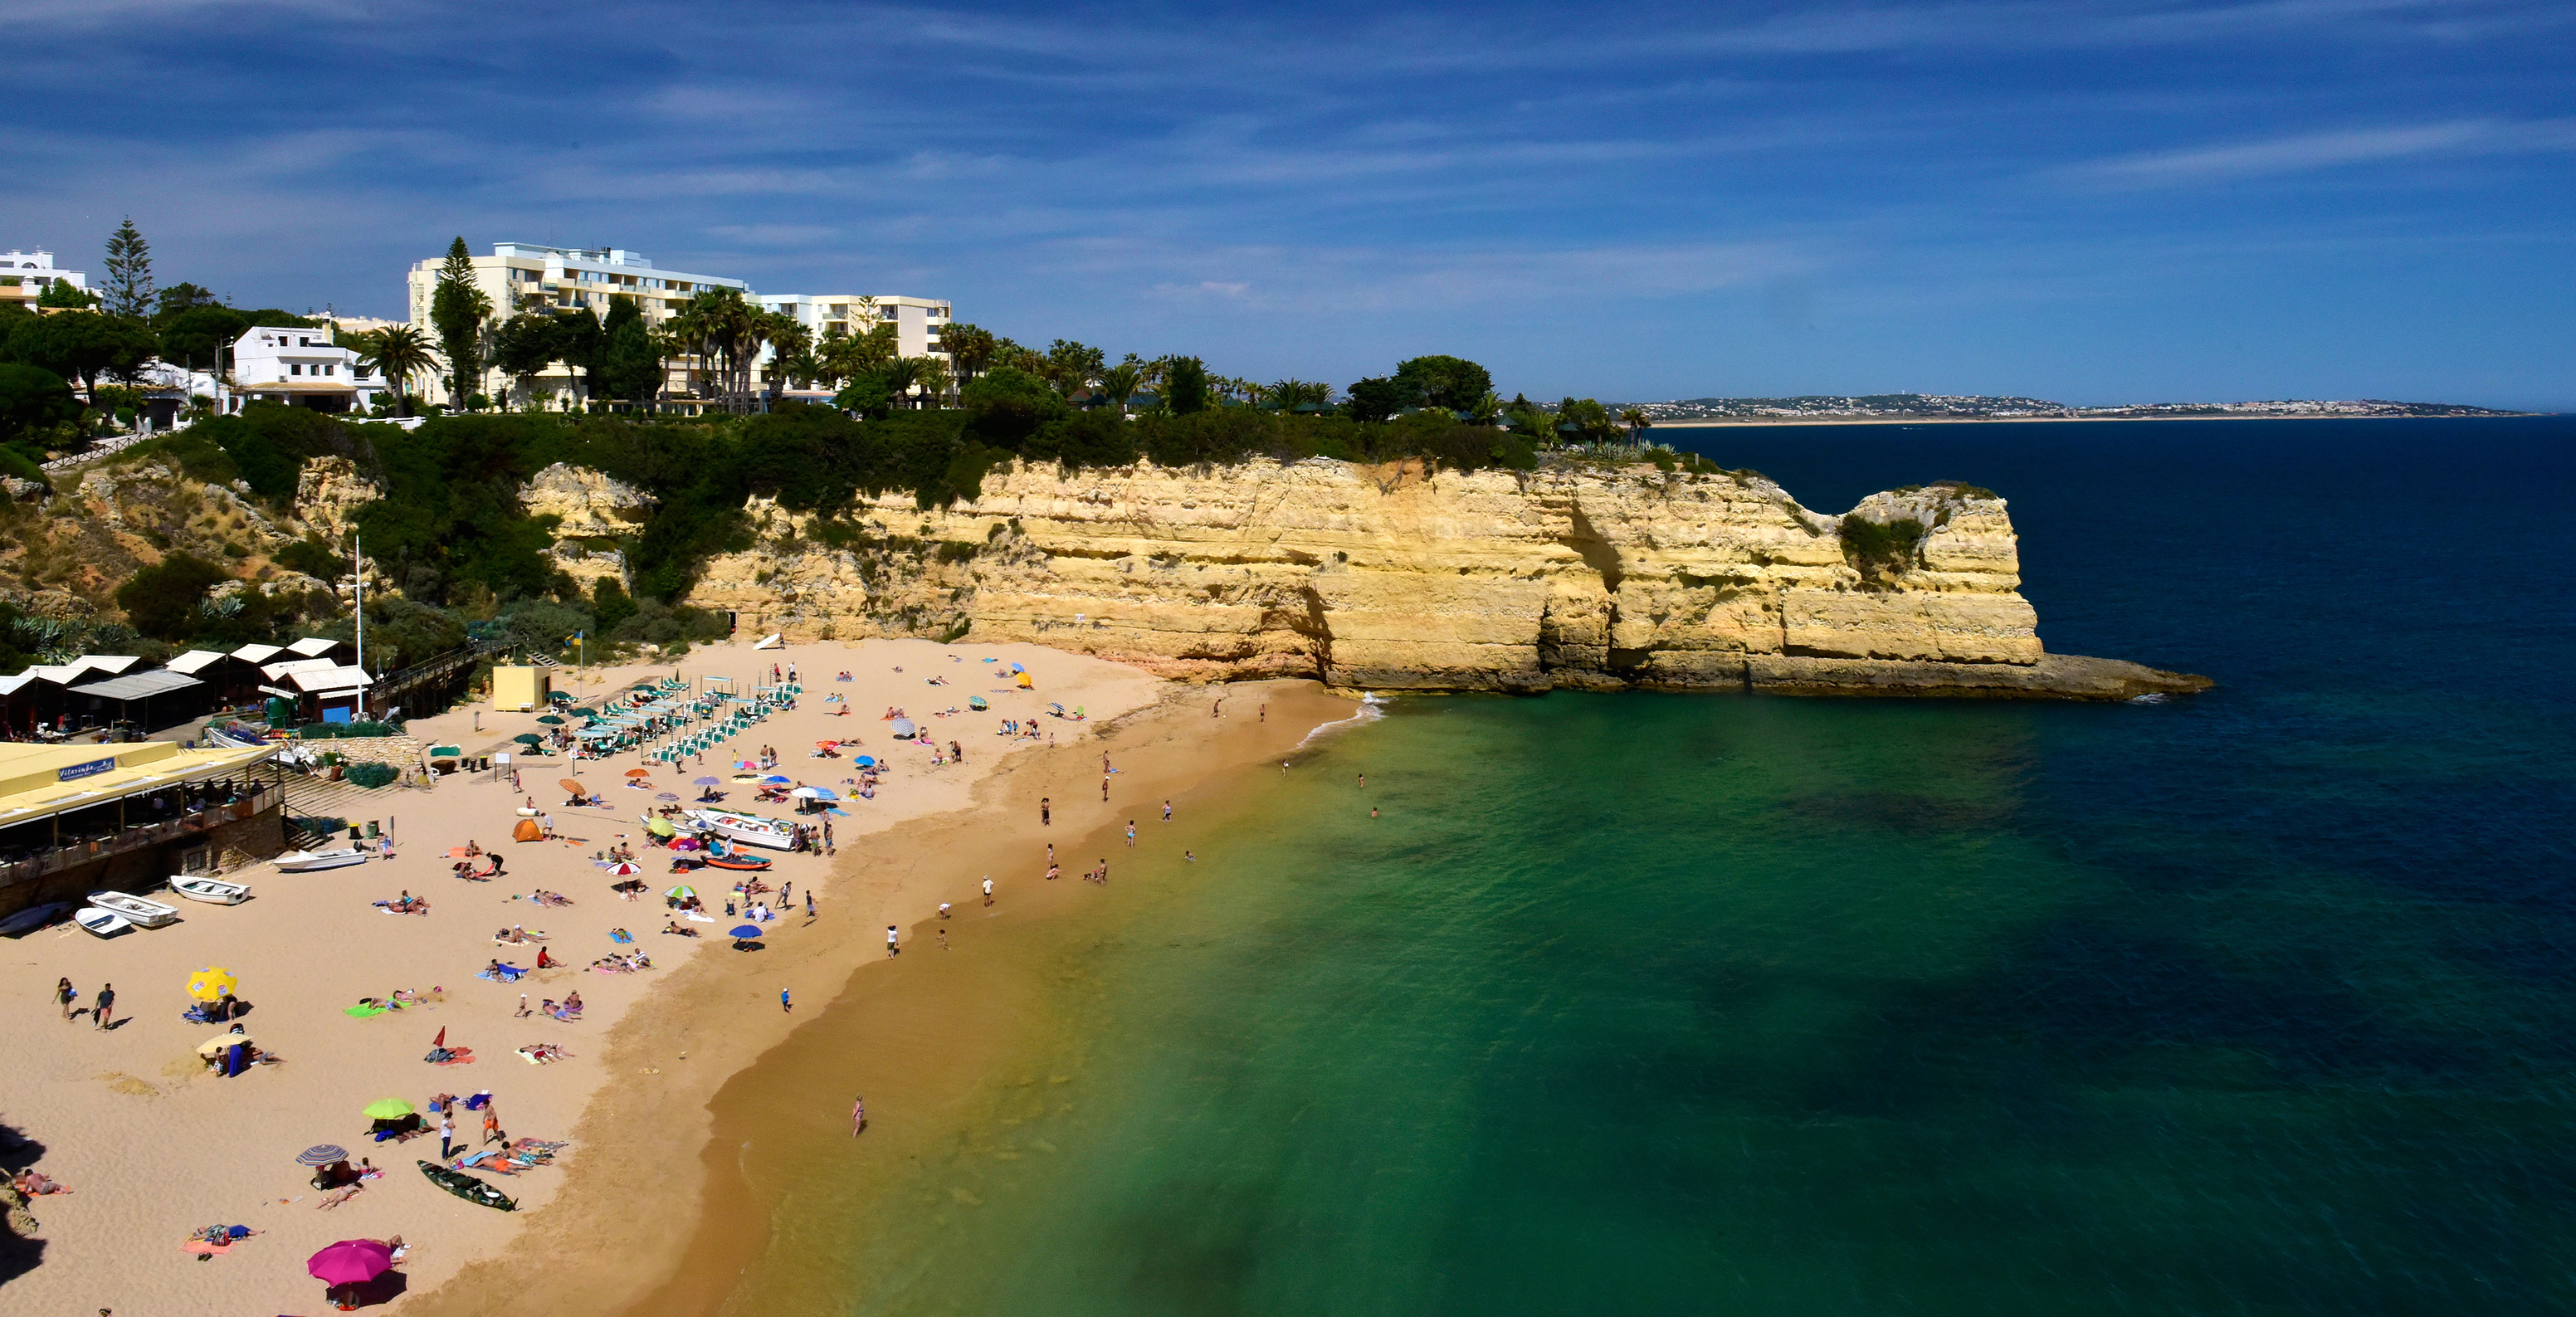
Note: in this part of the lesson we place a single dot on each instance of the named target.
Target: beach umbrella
(681, 893)
(745, 931)
(211, 982)
(574, 787)
(660, 827)
(806, 793)
(664, 795)
(551, 720)
(639, 772)
(322, 1154)
(445, 752)
(778, 779)
(528, 738)
(387, 1109)
(865, 761)
(624, 867)
(221, 1041)
(350, 1262)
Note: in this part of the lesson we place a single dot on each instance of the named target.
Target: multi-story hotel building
(520, 276)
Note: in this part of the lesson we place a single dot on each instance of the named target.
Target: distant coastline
(1922, 408)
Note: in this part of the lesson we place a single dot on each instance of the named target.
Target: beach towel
(506, 974)
(621, 936)
(365, 1012)
(450, 1056)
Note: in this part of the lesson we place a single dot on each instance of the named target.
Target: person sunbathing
(36, 1184)
(473, 847)
(673, 926)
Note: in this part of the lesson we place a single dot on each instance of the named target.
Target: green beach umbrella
(528, 738)
(388, 1109)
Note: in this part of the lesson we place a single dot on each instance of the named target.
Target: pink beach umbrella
(350, 1262)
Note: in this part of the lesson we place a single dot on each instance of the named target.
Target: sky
(2090, 201)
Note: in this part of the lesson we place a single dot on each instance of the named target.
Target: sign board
(90, 769)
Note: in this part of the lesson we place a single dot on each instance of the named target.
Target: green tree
(202, 337)
(401, 354)
(580, 343)
(1071, 366)
(164, 600)
(900, 376)
(969, 347)
(1634, 420)
(33, 399)
(630, 362)
(84, 345)
(129, 272)
(457, 310)
(1450, 382)
(1185, 385)
(1375, 399)
(849, 356)
(524, 346)
(1121, 381)
(1291, 394)
(791, 356)
(610, 603)
(181, 297)
(61, 296)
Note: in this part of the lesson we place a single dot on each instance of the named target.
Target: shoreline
(661, 1131)
(1715, 423)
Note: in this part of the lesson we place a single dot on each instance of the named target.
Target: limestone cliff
(1394, 577)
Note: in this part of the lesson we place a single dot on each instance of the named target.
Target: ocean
(2261, 1001)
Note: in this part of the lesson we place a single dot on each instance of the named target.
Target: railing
(133, 839)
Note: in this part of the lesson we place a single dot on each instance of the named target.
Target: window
(330, 368)
(294, 368)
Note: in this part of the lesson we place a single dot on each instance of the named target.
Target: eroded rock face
(328, 493)
(595, 515)
(1392, 577)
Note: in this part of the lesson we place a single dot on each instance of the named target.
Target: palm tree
(1291, 394)
(399, 353)
(936, 379)
(1487, 409)
(901, 374)
(791, 359)
(848, 356)
(1635, 420)
(1121, 381)
(971, 347)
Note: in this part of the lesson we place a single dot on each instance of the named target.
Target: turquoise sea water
(2258, 1002)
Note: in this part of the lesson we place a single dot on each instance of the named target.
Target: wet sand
(657, 1214)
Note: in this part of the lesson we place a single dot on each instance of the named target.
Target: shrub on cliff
(162, 600)
(1873, 548)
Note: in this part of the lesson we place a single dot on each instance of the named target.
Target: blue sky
(2090, 201)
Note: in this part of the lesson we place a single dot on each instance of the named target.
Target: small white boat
(32, 918)
(749, 829)
(138, 911)
(309, 861)
(212, 891)
(103, 923)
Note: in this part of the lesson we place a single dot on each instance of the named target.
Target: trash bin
(371, 829)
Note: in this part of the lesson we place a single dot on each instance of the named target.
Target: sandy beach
(155, 1147)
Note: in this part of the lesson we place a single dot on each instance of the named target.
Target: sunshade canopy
(387, 1109)
(350, 1262)
(211, 982)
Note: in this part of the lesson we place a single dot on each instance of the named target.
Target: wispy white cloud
(2307, 152)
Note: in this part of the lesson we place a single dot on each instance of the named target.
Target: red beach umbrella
(350, 1262)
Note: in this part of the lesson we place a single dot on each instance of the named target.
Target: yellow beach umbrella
(211, 982)
(659, 827)
(221, 1041)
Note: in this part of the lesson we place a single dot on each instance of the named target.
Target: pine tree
(129, 272)
(457, 310)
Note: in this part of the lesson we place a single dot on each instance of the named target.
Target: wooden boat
(729, 858)
(139, 911)
(32, 918)
(467, 1187)
(102, 923)
(309, 861)
(212, 891)
(747, 828)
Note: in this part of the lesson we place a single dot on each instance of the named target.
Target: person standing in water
(1131, 834)
(1045, 816)
(894, 946)
(858, 1115)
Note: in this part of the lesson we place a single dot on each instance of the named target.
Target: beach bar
(518, 689)
(81, 818)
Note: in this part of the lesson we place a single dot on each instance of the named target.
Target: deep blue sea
(2256, 1002)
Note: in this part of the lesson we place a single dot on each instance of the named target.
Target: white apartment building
(24, 275)
(916, 320)
(302, 367)
(521, 276)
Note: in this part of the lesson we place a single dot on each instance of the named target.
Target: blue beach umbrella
(745, 931)
(778, 778)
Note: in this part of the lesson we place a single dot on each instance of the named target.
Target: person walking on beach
(1363, 781)
(1104, 791)
(809, 903)
(858, 1115)
(988, 890)
(102, 1006)
(1167, 811)
(943, 939)
(64, 995)
(894, 945)
(446, 1134)
(827, 837)
(1045, 815)
(492, 1124)
(1104, 871)
(1265, 713)
(1131, 834)
(785, 1007)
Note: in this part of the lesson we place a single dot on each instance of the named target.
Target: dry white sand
(154, 1147)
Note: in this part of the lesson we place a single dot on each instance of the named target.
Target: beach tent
(527, 831)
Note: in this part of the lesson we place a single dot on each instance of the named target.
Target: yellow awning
(39, 781)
